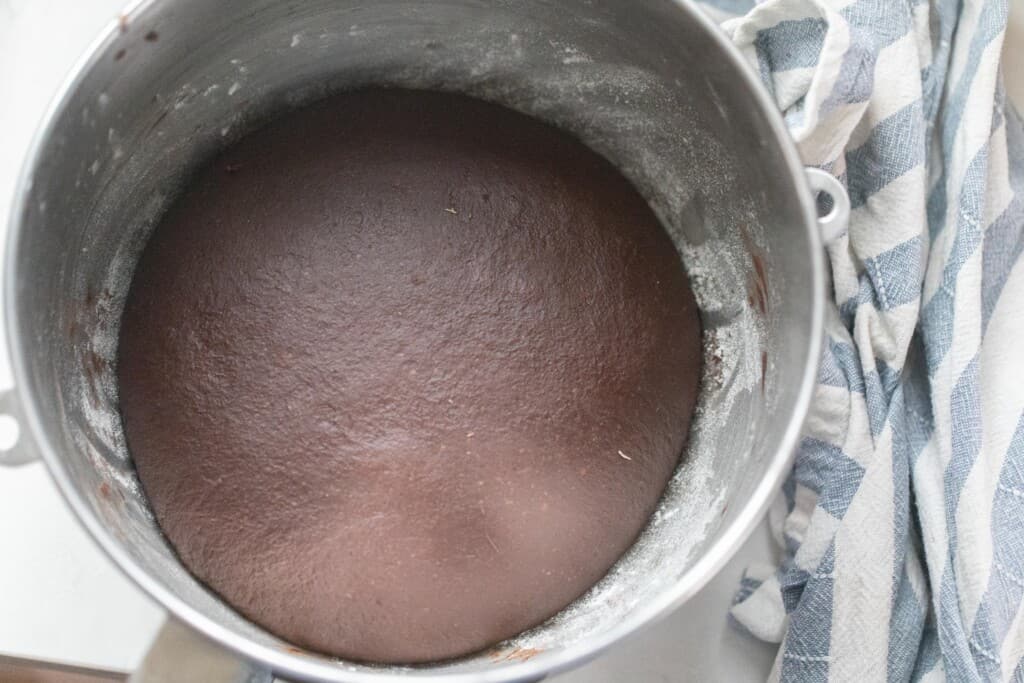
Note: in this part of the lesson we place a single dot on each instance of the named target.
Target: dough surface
(404, 373)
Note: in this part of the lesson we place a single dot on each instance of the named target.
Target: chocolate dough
(405, 373)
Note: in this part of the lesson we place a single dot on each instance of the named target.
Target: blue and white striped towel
(903, 522)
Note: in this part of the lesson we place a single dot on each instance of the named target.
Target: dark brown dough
(405, 373)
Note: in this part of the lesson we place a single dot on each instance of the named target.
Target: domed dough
(404, 373)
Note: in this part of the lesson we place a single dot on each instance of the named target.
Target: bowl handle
(834, 224)
(17, 448)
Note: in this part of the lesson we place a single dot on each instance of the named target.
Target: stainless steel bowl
(652, 85)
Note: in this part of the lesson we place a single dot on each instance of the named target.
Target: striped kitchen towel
(903, 521)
